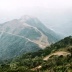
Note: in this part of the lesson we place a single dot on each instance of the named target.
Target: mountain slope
(26, 34)
(56, 58)
(66, 28)
(52, 36)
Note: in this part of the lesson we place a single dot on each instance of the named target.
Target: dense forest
(55, 58)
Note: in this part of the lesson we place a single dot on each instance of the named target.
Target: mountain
(26, 34)
(66, 28)
(55, 58)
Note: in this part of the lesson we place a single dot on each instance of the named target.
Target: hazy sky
(53, 13)
(14, 8)
(15, 4)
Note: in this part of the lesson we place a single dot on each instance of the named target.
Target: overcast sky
(15, 4)
(50, 12)
(12, 8)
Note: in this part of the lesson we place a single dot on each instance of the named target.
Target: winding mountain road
(42, 41)
(47, 57)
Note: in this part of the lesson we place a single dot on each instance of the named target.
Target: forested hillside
(56, 58)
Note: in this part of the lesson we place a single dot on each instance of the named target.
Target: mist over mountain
(54, 19)
(23, 35)
(35, 35)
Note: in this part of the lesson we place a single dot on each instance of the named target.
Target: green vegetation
(11, 46)
(29, 62)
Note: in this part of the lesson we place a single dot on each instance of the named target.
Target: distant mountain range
(66, 28)
(26, 34)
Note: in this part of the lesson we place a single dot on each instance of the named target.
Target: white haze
(55, 14)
